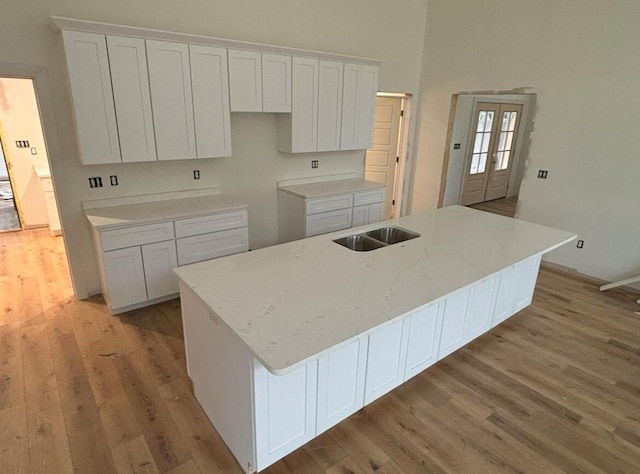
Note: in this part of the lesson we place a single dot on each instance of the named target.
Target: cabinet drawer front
(208, 246)
(328, 222)
(136, 235)
(368, 197)
(332, 203)
(212, 223)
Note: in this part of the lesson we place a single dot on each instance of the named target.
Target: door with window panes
(492, 151)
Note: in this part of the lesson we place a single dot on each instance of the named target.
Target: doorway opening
(385, 161)
(9, 211)
(487, 146)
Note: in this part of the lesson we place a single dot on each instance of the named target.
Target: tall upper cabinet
(130, 82)
(358, 106)
(92, 95)
(170, 79)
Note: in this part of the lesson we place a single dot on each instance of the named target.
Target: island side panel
(219, 366)
(291, 217)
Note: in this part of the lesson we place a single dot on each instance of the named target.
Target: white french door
(491, 155)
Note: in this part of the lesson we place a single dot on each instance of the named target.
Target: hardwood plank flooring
(504, 207)
(556, 388)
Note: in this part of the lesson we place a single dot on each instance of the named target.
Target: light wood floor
(504, 207)
(554, 389)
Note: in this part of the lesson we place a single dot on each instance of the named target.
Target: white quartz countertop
(160, 210)
(291, 303)
(331, 188)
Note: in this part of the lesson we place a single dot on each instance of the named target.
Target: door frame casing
(456, 179)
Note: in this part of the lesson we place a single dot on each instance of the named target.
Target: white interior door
(489, 163)
(502, 157)
(381, 160)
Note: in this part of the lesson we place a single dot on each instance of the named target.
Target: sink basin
(375, 239)
(359, 243)
(391, 235)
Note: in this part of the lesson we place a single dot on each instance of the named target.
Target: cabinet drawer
(328, 222)
(136, 235)
(343, 201)
(368, 197)
(212, 223)
(207, 246)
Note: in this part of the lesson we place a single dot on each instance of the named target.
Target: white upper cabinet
(329, 105)
(300, 132)
(210, 84)
(90, 81)
(358, 106)
(130, 82)
(276, 83)
(245, 80)
(171, 97)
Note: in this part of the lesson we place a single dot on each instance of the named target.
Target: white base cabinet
(135, 262)
(299, 217)
(264, 416)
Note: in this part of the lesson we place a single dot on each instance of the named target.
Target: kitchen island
(284, 342)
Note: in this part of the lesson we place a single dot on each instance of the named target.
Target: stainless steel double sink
(376, 239)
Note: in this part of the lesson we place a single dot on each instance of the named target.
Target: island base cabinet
(423, 328)
(386, 359)
(526, 278)
(285, 411)
(341, 376)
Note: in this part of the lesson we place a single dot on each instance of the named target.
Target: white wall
(20, 120)
(581, 58)
(377, 29)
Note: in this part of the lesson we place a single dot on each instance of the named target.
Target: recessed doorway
(487, 146)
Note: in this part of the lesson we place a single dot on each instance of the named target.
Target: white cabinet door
(210, 87)
(367, 90)
(159, 260)
(423, 328)
(329, 105)
(245, 81)
(360, 216)
(328, 222)
(341, 383)
(479, 314)
(527, 275)
(349, 126)
(216, 244)
(130, 81)
(304, 105)
(386, 360)
(125, 277)
(276, 83)
(358, 106)
(376, 211)
(172, 100)
(506, 294)
(92, 95)
(452, 337)
(285, 411)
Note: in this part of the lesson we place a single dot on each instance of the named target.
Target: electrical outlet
(580, 244)
(196, 174)
(22, 143)
(95, 182)
(542, 174)
(315, 163)
(113, 179)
